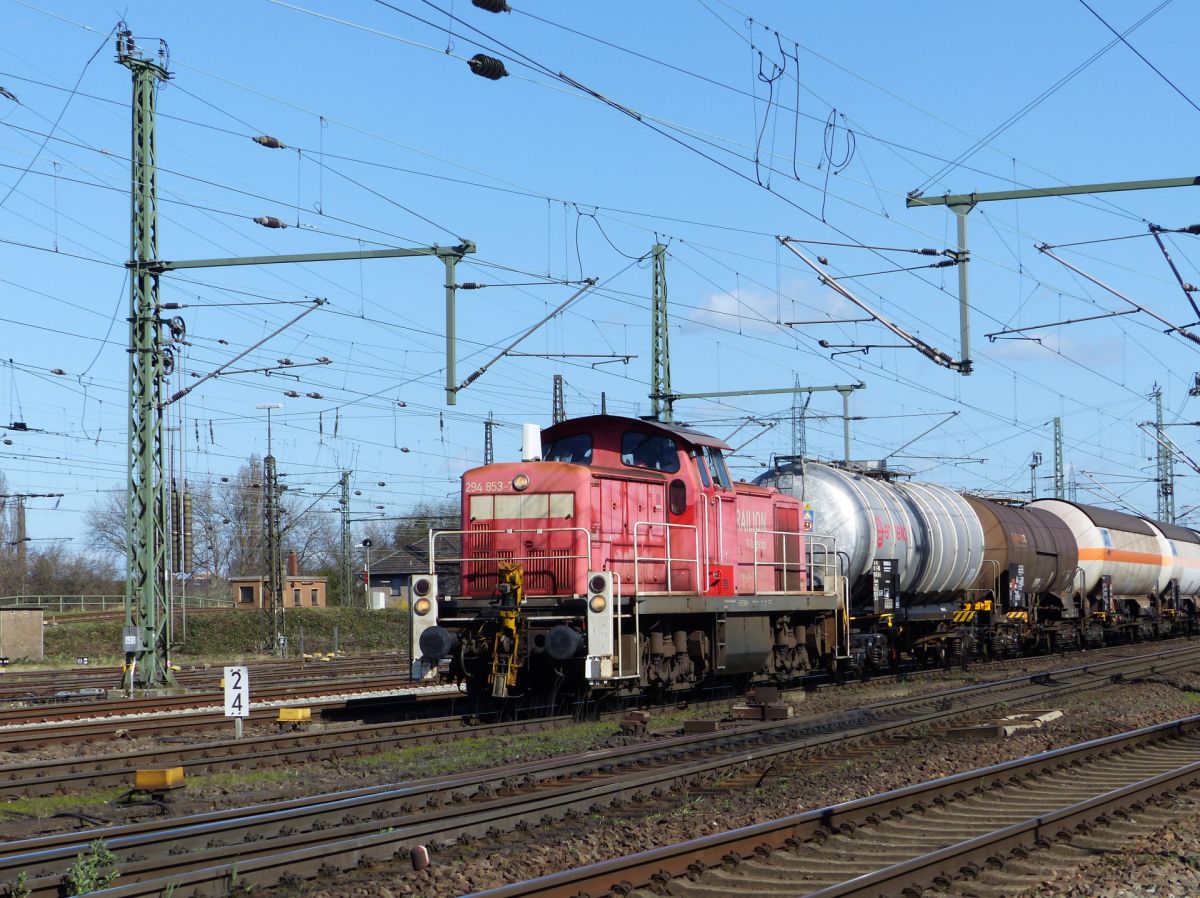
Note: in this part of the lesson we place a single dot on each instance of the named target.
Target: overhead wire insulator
(270, 221)
(314, 395)
(291, 394)
(492, 5)
(271, 143)
(487, 67)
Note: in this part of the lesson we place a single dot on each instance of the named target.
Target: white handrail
(826, 567)
(434, 535)
(666, 559)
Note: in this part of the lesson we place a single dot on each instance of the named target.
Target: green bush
(93, 870)
(237, 632)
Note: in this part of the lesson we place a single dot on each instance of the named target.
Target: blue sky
(716, 140)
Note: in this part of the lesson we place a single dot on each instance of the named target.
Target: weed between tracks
(53, 804)
(490, 751)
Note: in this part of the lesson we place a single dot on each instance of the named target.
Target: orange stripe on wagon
(1122, 555)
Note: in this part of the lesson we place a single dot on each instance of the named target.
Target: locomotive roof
(597, 423)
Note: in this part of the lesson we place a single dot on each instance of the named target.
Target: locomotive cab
(625, 557)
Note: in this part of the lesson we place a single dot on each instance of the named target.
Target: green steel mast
(147, 610)
(662, 402)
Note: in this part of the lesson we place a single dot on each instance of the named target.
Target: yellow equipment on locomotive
(510, 595)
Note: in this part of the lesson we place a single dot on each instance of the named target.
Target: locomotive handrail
(782, 564)
(667, 559)
(434, 535)
(634, 612)
(827, 566)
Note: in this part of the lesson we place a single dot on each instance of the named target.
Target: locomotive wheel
(943, 657)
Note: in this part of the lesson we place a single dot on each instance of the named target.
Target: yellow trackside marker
(294, 715)
(159, 779)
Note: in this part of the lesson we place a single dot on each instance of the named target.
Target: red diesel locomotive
(625, 558)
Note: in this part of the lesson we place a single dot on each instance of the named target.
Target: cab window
(702, 468)
(677, 497)
(717, 465)
(649, 450)
(574, 450)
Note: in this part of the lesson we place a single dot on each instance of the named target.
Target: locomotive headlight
(597, 604)
(520, 482)
(597, 583)
(421, 586)
(421, 607)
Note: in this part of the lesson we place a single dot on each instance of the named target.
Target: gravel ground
(1164, 864)
(732, 802)
(816, 782)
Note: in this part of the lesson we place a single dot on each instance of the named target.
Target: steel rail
(115, 710)
(258, 845)
(58, 776)
(656, 868)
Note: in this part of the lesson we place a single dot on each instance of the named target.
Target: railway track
(986, 833)
(203, 854)
(30, 730)
(63, 775)
(46, 685)
(198, 701)
(54, 777)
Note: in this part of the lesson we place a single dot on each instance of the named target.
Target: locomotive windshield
(717, 464)
(649, 450)
(575, 450)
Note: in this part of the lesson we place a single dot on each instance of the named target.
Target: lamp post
(366, 543)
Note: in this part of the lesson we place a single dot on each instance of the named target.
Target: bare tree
(105, 523)
(228, 526)
(413, 528)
